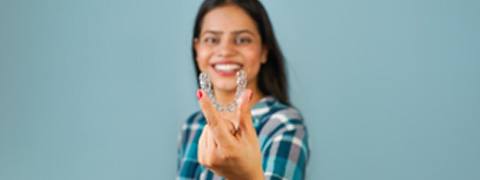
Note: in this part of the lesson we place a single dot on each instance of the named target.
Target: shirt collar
(262, 106)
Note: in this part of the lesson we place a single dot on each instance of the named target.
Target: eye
(243, 40)
(211, 40)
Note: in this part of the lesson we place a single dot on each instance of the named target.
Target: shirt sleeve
(180, 149)
(286, 154)
(183, 138)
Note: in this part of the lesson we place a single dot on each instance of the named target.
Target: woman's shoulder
(280, 118)
(283, 124)
(194, 121)
(195, 117)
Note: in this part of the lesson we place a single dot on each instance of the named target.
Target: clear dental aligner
(206, 86)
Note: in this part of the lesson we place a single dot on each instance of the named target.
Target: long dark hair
(272, 77)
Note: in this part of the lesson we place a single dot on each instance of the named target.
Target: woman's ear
(195, 44)
(264, 59)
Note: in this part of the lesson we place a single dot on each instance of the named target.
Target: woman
(263, 137)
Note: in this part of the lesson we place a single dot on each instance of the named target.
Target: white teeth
(227, 67)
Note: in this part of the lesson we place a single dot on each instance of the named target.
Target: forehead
(228, 18)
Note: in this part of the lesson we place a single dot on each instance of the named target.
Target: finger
(211, 142)
(244, 110)
(210, 148)
(217, 125)
(202, 146)
(207, 108)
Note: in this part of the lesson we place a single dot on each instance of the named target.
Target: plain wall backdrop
(98, 89)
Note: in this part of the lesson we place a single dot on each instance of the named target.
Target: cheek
(202, 58)
(252, 54)
(253, 60)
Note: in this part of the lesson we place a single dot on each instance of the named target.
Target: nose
(226, 48)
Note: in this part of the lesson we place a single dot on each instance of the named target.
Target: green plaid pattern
(282, 135)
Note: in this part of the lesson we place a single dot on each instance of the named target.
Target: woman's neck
(226, 97)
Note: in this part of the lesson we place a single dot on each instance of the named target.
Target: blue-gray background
(98, 89)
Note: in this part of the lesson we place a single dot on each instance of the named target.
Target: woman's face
(229, 41)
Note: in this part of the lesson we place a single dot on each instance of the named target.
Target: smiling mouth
(227, 69)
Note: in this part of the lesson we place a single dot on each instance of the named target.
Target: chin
(225, 85)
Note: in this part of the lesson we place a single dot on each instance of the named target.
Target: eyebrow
(234, 32)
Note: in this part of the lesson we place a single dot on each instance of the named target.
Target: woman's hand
(228, 145)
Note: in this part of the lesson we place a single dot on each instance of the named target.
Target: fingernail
(199, 94)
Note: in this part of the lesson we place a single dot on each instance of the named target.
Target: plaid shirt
(282, 136)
